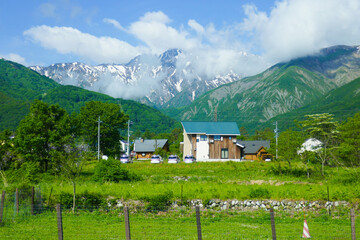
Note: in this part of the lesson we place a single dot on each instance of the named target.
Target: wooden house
(144, 148)
(211, 141)
(255, 150)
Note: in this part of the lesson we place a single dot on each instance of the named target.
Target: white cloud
(15, 58)
(154, 31)
(67, 40)
(115, 23)
(300, 27)
(196, 26)
(145, 82)
(158, 17)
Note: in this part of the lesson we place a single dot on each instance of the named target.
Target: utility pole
(276, 131)
(99, 138)
(128, 140)
(215, 114)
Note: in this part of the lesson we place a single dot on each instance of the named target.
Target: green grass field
(227, 180)
(178, 225)
(205, 181)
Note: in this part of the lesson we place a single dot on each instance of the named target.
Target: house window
(224, 153)
(143, 154)
(217, 137)
(203, 138)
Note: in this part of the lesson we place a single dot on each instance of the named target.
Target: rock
(119, 204)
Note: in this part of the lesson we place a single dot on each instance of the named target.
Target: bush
(85, 199)
(259, 193)
(111, 171)
(160, 202)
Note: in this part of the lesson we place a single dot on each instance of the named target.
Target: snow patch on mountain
(150, 79)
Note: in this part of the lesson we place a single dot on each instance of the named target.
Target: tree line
(48, 136)
(339, 142)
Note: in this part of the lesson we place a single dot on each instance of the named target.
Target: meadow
(181, 224)
(204, 181)
(214, 180)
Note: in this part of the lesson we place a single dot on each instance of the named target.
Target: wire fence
(26, 218)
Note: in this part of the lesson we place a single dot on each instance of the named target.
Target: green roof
(211, 128)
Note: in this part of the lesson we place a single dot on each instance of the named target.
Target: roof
(253, 146)
(211, 128)
(148, 145)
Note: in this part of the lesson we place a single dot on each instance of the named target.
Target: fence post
(198, 223)
(127, 223)
(59, 221)
(17, 201)
(352, 216)
(2, 206)
(272, 224)
(32, 200)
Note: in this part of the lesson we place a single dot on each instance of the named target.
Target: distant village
(205, 142)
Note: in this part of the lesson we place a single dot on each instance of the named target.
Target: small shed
(144, 148)
(255, 150)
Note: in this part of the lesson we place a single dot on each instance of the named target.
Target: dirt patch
(271, 182)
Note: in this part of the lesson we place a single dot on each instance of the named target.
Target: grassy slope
(343, 102)
(253, 100)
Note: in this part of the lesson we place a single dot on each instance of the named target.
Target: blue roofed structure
(211, 128)
(212, 141)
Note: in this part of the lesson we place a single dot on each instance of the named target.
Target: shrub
(65, 199)
(85, 199)
(160, 202)
(259, 193)
(111, 171)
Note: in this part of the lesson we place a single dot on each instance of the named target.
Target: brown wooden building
(255, 150)
(211, 141)
(144, 148)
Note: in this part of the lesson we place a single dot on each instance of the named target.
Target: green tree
(43, 132)
(71, 163)
(112, 120)
(148, 135)
(244, 133)
(349, 149)
(6, 149)
(266, 134)
(322, 127)
(289, 143)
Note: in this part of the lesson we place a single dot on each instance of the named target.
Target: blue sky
(230, 33)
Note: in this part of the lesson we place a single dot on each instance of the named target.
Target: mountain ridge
(160, 77)
(254, 100)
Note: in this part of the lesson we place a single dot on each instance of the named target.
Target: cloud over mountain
(292, 28)
(296, 28)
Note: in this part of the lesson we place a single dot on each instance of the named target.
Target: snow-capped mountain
(163, 81)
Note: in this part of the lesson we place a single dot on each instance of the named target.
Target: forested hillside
(19, 86)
